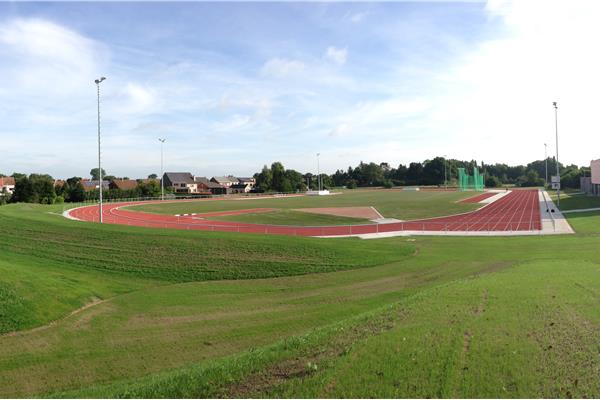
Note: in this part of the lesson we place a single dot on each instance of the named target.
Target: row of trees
(41, 188)
(436, 171)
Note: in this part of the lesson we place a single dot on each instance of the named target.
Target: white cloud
(281, 67)
(499, 96)
(39, 55)
(336, 55)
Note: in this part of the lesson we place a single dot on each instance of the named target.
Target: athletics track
(518, 211)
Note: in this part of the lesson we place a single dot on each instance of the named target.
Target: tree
(278, 172)
(152, 176)
(264, 179)
(414, 175)
(433, 171)
(94, 173)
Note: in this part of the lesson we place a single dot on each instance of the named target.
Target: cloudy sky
(233, 86)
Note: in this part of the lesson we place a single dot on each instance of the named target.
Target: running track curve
(517, 211)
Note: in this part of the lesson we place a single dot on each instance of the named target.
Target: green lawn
(399, 317)
(390, 203)
(574, 201)
(294, 218)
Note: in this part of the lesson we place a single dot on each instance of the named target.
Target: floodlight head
(554, 104)
(162, 140)
(100, 80)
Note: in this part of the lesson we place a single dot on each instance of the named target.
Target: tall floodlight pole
(162, 185)
(546, 161)
(445, 174)
(318, 173)
(98, 81)
(557, 169)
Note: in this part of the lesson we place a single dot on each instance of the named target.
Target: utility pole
(97, 81)
(546, 161)
(318, 173)
(445, 174)
(557, 168)
(162, 173)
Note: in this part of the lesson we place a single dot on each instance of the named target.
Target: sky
(233, 86)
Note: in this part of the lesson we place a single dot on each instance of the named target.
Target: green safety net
(470, 182)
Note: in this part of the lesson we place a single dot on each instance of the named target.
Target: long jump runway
(518, 212)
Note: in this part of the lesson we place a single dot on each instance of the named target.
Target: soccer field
(117, 311)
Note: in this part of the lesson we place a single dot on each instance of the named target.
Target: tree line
(437, 171)
(41, 188)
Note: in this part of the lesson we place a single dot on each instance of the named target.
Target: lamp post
(98, 81)
(546, 161)
(445, 175)
(557, 169)
(162, 185)
(318, 173)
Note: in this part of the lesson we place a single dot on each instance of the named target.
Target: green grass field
(398, 204)
(575, 201)
(199, 314)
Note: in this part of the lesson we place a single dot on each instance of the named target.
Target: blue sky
(233, 86)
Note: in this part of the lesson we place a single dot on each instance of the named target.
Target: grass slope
(51, 265)
(390, 203)
(430, 317)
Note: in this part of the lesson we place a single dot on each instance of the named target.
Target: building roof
(93, 185)
(184, 177)
(225, 179)
(125, 184)
(246, 180)
(7, 181)
(239, 185)
(205, 181)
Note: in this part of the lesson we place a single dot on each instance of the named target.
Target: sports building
(591, 184)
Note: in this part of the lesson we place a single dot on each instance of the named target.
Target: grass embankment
(390, 203)
(576, 201)
(458, 317)
(51, 265)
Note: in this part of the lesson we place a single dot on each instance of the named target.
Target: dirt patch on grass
(351, 212)
(261, 383)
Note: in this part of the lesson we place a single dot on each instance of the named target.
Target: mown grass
(575, 201)
(51, 265)
(390, 203)
(293, 218)
(156, 336)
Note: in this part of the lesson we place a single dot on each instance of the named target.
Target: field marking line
(377, 212)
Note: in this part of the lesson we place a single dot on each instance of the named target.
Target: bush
(59, 200)
(492, 181)
(351, 184)
(388, 184)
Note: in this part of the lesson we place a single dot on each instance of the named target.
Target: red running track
(517, 211)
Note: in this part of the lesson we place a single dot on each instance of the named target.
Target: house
(211, 187)
(89, 185)
(181, 182)
(251, 182)
(240, 188)
(123, 184)
(225, 181)
(7, 184)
